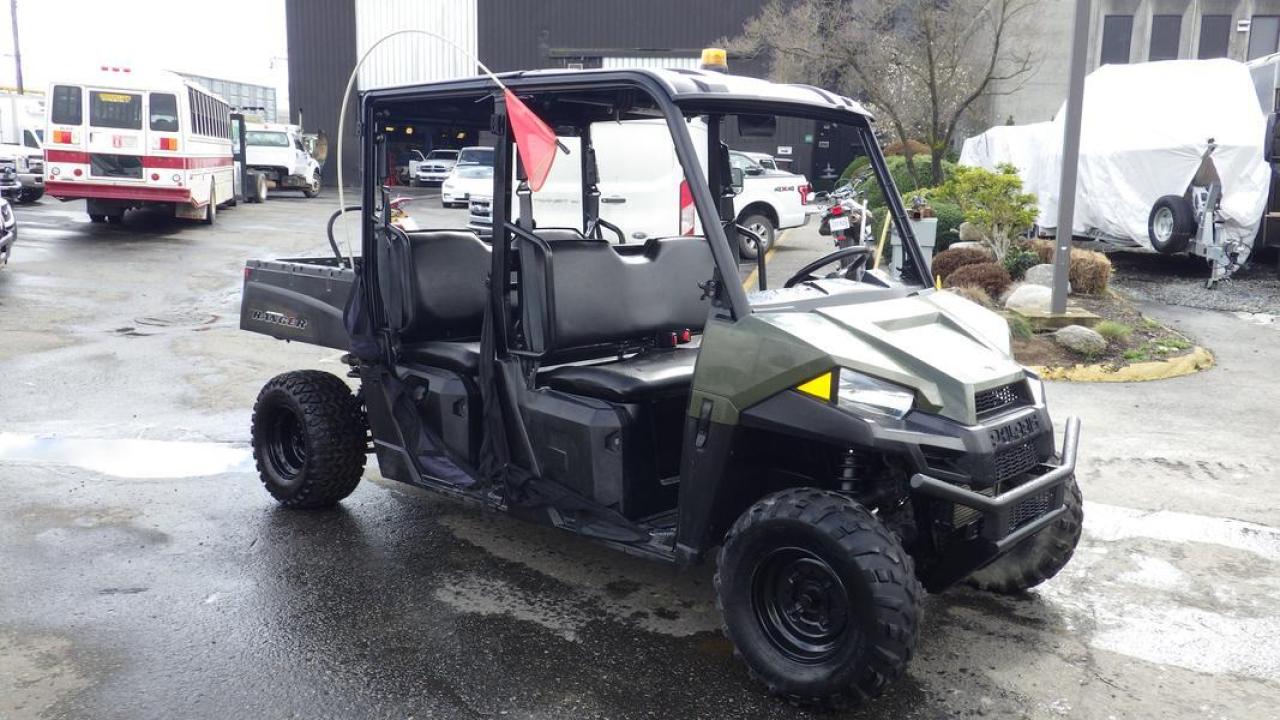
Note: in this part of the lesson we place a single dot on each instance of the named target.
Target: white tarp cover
(1143, 132)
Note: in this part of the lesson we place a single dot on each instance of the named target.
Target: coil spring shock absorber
(852, 467)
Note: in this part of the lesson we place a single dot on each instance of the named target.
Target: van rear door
(116, 140)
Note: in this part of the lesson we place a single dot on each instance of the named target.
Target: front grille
(994, 400)
(1030, 509)
(962, 515)
(1015, 460)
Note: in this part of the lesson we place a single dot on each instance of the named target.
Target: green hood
(945, 347)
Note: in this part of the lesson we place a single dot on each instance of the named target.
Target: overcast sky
(232, 39)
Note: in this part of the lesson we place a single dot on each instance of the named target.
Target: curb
(1195, 361)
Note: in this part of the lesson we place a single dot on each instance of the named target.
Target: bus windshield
(115, 110)
(266, 138)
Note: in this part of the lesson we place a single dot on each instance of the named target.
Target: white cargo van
(630, 156)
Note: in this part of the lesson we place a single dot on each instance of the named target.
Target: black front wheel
(818, 597)
(1040, 556)
(308, 439)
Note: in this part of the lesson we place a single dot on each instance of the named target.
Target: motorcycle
(847, 220)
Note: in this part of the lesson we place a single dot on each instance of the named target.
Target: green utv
(842, 443)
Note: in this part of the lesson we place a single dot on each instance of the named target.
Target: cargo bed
(298, 299)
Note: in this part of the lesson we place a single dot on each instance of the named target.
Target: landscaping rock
(1080, 339)
(1041, 275)
(1027, 297)
(970, 233)
(967, 244)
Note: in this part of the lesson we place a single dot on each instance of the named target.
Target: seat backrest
(603, 294)
(449, 267)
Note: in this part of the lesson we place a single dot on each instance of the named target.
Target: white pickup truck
(629, 155)
(277, 151)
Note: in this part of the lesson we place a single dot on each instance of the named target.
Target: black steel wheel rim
(286, 445)
(801, 604)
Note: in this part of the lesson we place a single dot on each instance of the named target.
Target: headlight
(860, 392)
(1036, 385)
(21, 162)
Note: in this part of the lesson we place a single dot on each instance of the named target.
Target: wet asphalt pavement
(154, 578)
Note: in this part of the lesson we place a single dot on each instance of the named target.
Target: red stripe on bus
(148, 161)
(68, 156)
(75, 190)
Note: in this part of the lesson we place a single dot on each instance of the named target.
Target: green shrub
(948, 261)
(1018, 261)
(949, 218)
(908, 183)
(1020, 327)
(1113, 331)
(992, 201)
(990, 276)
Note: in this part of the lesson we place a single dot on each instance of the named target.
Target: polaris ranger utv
(846, 441)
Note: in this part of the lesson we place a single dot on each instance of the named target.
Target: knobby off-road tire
(818, 597)
(1039, 558)
(308, 439)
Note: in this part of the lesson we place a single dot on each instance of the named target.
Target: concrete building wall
(1049, 26)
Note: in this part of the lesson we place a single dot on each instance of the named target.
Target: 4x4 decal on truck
(275, 318)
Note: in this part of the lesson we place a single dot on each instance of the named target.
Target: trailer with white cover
(1194, 181)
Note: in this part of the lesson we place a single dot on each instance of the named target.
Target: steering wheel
(859, 254)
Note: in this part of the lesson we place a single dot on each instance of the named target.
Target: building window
(1215, 36)
(1166, 32)
(1264, 35)
(1117, 32)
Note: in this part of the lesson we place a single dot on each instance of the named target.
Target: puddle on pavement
(128, 458)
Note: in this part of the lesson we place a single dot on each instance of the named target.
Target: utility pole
(17, 51)
(1070, 159)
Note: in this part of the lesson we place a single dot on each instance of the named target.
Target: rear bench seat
(450, 267)
(605, 294)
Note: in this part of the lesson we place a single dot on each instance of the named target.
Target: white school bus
(122, 139)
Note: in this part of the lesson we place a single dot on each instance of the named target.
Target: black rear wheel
(819, 598)
(308, 439)
(1171, 225)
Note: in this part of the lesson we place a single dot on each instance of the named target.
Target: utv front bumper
(1024, 510)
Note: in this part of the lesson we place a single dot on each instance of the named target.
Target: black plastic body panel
(450, 405)
(297, 299)
(604, 451)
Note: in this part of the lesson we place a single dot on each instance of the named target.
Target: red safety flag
(534, 138)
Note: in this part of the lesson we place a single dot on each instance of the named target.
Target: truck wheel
(818, 597)
(211, 210)
(30, 195)
(1040, 557)
(313, 188)
(760, 225)
(308, 439)
(259, 189)
(1171, 225)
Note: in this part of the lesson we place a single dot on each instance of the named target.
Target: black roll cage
(730, 295)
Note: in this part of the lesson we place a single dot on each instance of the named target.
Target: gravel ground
(1179, 280)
